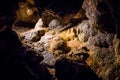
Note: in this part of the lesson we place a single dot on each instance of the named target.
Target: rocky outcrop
(98, 36)
(27, 15)
(103, 13)
(101, 45)
(17, 61)
(33, 35)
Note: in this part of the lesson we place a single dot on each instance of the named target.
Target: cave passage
(59, 40)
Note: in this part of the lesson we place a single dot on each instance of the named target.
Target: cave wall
(105, 13)
(27, 14)
(99, 34)
(104, 44)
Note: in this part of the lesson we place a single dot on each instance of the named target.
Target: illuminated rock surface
(84, 36)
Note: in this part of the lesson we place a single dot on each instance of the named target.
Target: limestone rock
(39, 24)
(45, 40)
(84, 31)
(33, 35)
(49, 58)
(102, 56)
(54, 24)
(68, 35)
(48, 16)
(27, 15)
(58, 46)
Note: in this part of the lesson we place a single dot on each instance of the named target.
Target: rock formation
(85, 32)
(16, 61)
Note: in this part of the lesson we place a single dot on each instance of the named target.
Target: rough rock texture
(58, 46)
(104, 14)
(27, 15)
(102, 44)
(98, 36)
(33, 35)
